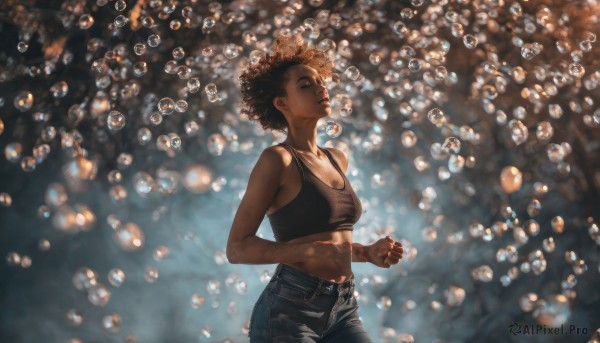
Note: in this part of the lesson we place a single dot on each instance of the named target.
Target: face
(306, 95)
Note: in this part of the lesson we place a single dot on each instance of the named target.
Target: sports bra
(317, 207)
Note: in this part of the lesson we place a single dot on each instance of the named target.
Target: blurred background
(472, 129)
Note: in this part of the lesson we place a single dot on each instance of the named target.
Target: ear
(280, 103)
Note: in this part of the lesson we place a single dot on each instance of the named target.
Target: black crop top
(317, 208)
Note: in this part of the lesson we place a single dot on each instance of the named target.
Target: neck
(303, 137)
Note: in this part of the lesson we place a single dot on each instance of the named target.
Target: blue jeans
(299, 307)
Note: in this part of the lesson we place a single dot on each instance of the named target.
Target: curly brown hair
(265, 80)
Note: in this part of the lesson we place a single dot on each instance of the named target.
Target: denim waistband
(311, 282)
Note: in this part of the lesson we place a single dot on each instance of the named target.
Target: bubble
(191, 128)
(558, 224)
(451, 144)
(193, 85)
(454, 295)
(84, 278)
(213, 287)
(576, 70)
(22, 47)
(231, 51)
(384, 303)
(440, 73)
(156, 118)
(553, 311)
(208, 24)
(555, 111)
(112, 323)
(139, 49)
(74, 317)
(175, 140)
(420, 163)
(407, 13)
(197, 301)
(429, 234)
(160, 253)
(211, 89)
(12, 152)
(544, 131)
(181, 106)
(518, 74)
(116, 277)
(483, 273)
(120, 21)
(140, 69)
(166, 106)
(409, 138)
(489, 92)
(352, 73)
(23, 101)
(44, 245)
(470, 41)
(414, 65)
(153, 40)
(457, 30)
(333, 129)
(5, 199)
(399, 28)
(25, 261)
(555, 152)
(86, 21)
(115, 120)
(511, 179)
(197, 178)
(120, 5)
(13, 259)
(151, 275)
(216, 144)
(456, 163)
(178, 53)
(436, 116)
(548, 244)
(129, 237)
(518, 130)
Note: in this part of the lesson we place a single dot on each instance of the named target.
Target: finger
(389, 238)
(392, 261)
(394, 254)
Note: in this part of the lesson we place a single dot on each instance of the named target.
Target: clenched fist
(385, 252)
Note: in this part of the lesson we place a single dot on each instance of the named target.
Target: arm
(243, 246)
(359, 253)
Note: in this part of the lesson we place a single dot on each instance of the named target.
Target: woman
(311, 206)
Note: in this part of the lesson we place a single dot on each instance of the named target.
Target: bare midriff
(337, 269)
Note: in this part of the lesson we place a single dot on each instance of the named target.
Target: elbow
(231, 254)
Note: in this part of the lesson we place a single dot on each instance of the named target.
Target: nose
(322, 90)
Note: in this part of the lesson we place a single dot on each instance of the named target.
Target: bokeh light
(472, 130)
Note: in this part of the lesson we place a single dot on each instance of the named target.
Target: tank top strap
(333, 161)
(296, 158)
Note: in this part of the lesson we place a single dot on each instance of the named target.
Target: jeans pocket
(289, 291)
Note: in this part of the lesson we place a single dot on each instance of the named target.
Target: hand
(384, 253)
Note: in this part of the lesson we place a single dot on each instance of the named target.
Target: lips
(323, 100)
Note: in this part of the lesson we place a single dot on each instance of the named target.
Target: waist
(311, 282)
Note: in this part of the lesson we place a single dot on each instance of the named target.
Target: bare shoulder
(340, 157)
(274, 161)
(277, 155)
